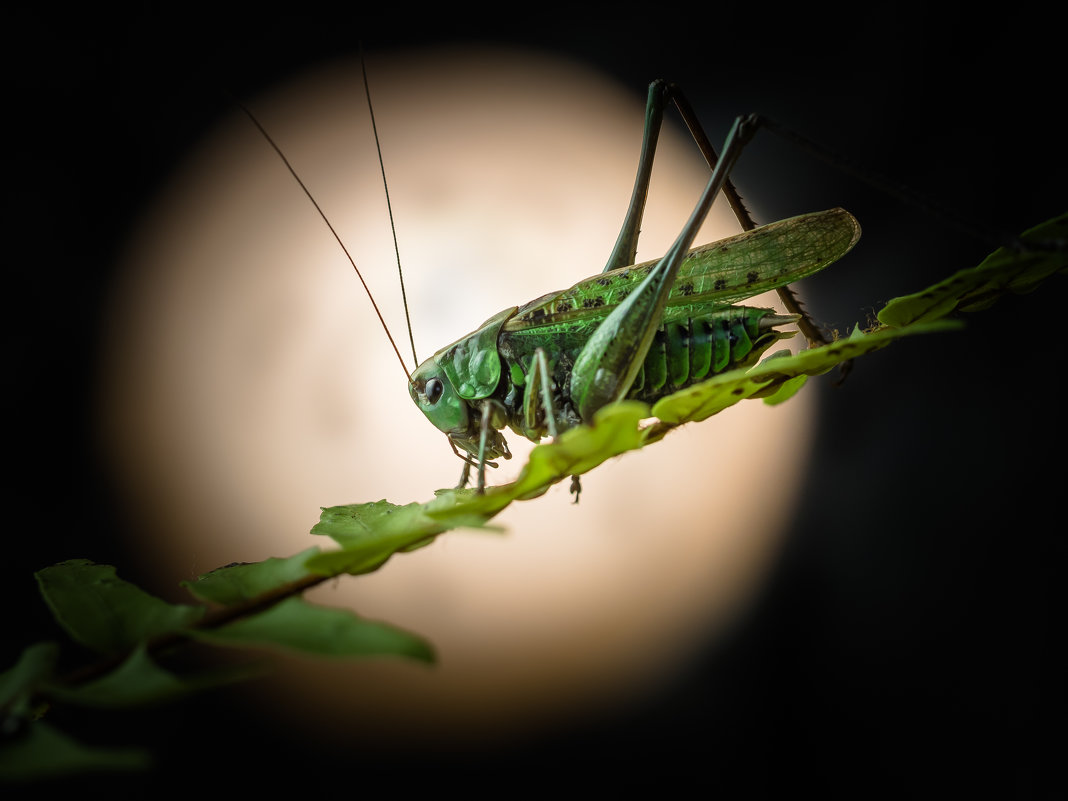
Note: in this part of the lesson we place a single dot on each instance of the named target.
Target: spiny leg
(627, 242)
(465, 472)
(483, 434)
(542, 386)
(609, 361)
(492, 412)
(465, 475)
(625, 250)
(813, 333)
(541, 362)
(660, 92)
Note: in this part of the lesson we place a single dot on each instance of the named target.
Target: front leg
(539, 411)
(538, 392)
(465, 475)
(493, 417)
(484, 433)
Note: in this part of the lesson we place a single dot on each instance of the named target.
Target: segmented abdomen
(691, 349)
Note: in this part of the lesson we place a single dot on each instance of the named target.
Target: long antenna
(389, 207)
(322, 214)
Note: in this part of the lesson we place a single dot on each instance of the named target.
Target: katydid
(641, 331)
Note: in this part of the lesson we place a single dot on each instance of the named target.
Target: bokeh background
(896, 631)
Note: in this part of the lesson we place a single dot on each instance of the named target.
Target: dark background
(906, 645)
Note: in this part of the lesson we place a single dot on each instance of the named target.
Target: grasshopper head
(437, 398)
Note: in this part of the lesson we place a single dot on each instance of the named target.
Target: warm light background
(248, 383)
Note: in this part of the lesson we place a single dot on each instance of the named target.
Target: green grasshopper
(635, 331)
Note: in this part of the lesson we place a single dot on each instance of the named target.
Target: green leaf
(378, 527)
(234, 583)
(786, 390)
(105, 613)
(296, 625)
(978, 287)
(43, 752)
(370, 533)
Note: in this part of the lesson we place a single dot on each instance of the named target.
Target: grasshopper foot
(576, 487)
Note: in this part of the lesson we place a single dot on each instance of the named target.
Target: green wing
(721, 272)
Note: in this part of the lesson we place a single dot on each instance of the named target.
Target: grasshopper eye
(434, 388)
